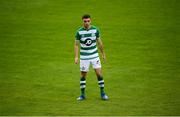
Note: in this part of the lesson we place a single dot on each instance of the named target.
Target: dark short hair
(86, 16)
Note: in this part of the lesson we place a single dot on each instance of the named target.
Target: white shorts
(84, 64)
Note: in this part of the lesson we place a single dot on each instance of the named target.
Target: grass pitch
(37, 71)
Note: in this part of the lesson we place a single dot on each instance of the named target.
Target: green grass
(37, 71)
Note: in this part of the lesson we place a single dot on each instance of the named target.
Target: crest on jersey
(88, 42)
(83, 68)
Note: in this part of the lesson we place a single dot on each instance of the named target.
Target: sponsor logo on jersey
(88, 42)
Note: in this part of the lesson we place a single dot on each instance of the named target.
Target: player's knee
(98, 74)
(83, 74)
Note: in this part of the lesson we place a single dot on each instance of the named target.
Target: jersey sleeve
(77, 36)
(97, 33)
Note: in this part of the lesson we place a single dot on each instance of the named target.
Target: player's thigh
(84, 65)
(98, 72)
(96, 63)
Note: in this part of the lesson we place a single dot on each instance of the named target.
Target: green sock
(82, 85)
(101, 84)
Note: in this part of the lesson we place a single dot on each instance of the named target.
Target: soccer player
(87, 37)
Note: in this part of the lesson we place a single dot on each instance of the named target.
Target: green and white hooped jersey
(87, 39)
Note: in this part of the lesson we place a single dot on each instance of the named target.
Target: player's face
(86, 22)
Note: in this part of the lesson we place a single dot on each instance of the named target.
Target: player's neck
(88, 27)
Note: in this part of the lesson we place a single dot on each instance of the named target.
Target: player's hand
(76, 60)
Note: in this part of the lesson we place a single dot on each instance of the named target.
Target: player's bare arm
(76, 49)
(101, 47)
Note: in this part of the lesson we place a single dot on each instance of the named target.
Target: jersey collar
(87, 29)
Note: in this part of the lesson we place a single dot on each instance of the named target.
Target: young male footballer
(88, 37)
